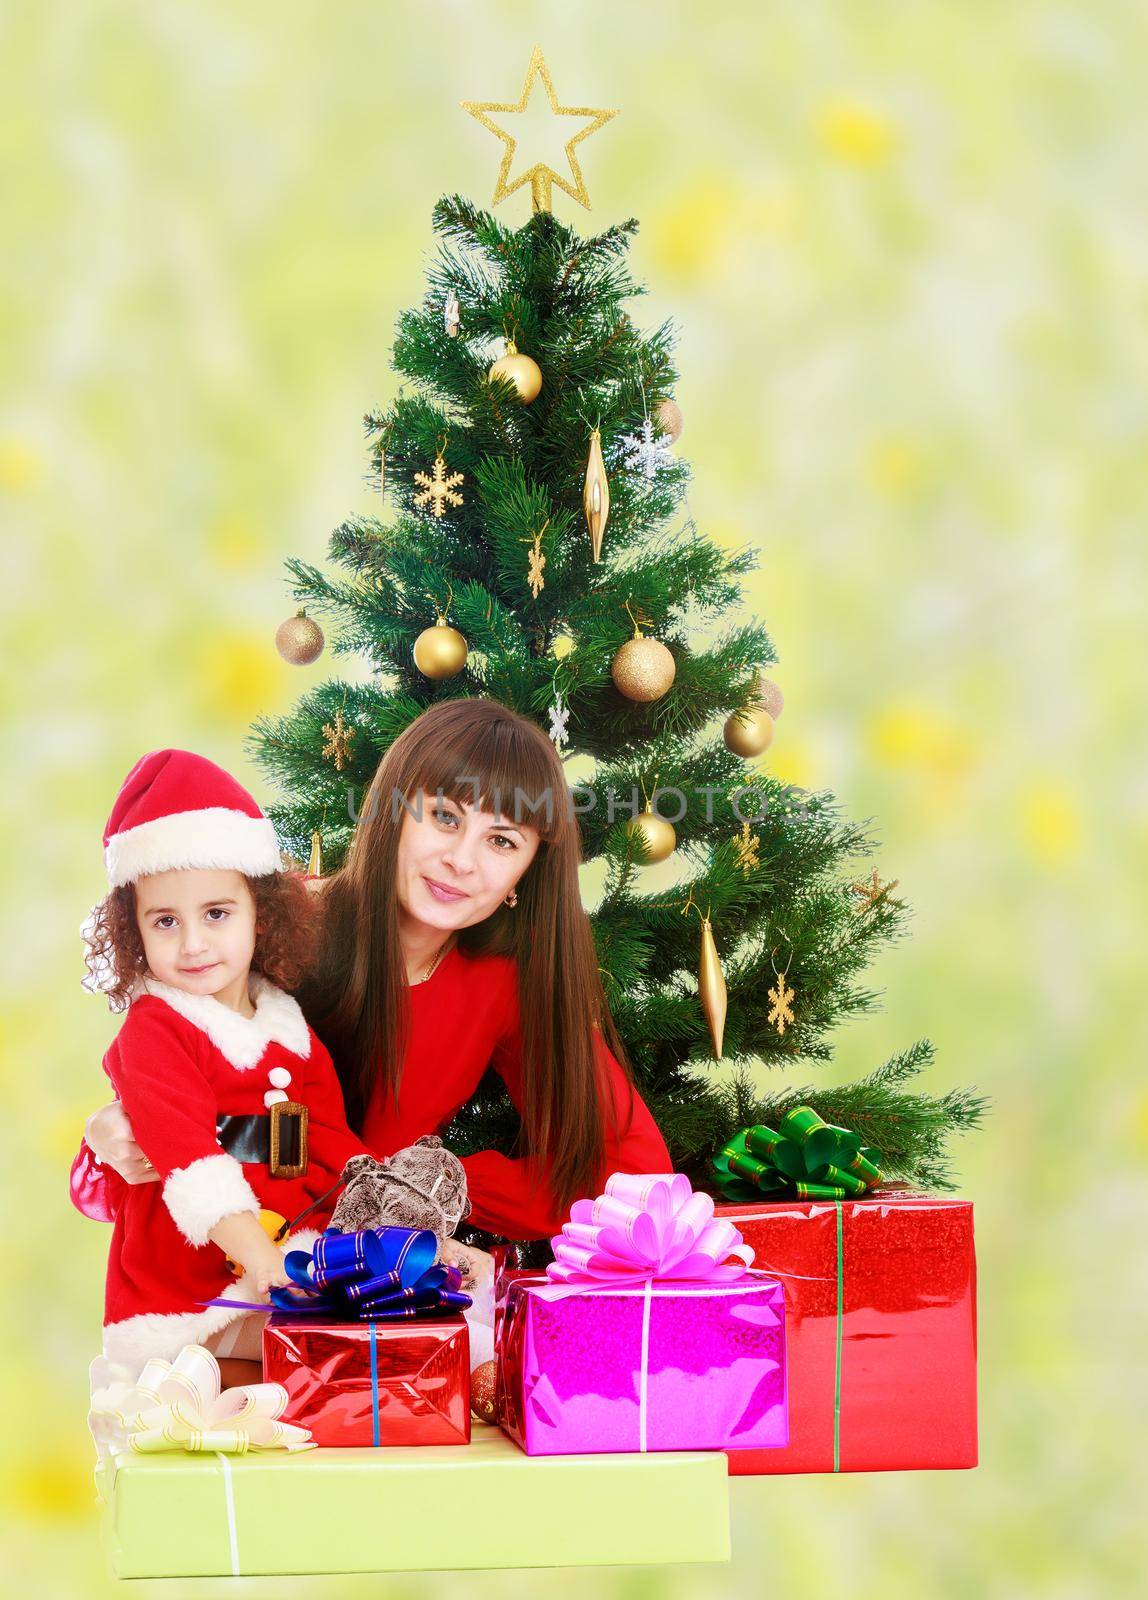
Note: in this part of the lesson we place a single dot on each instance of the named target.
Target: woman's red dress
(464, 1019)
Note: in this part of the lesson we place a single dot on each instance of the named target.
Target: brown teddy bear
(421, 1186)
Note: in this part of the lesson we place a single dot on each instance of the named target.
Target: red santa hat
(177, 809)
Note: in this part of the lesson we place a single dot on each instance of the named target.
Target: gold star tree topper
(540, 176)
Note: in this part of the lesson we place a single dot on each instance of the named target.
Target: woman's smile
(441, 891)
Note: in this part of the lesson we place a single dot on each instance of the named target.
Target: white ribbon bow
(178, 1405)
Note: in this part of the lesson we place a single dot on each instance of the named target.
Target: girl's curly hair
(286, 925)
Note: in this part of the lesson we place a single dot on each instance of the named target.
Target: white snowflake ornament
(646, 453)
(559, 716)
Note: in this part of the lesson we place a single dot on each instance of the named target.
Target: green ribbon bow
(808, 1157)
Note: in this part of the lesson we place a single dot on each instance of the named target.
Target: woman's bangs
(496, 771)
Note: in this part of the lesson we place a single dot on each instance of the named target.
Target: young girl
(234, 1101)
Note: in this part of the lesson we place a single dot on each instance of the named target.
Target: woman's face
(456, 865)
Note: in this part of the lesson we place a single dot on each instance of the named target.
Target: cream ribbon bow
(178, 1405)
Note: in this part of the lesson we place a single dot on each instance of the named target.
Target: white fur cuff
(204, 1193)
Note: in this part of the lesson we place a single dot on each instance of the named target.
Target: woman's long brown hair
(478, 752)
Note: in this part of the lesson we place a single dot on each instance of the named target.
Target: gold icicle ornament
(315, 864)
(596, 495)
(711, 981)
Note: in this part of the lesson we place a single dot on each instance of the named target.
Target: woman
(455, 940)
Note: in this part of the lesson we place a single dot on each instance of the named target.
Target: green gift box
(330, 1511)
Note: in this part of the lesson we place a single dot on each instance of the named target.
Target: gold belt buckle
(288, 1154)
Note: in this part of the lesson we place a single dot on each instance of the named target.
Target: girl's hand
(110, 1137)
(242, 1239)
(272, 1275)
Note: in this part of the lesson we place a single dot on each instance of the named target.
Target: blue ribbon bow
(377, 1274)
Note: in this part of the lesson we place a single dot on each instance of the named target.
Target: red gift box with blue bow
(370, 1342)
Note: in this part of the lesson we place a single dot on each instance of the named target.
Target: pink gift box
(682, 1365)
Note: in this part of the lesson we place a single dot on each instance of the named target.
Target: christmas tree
(538, 554)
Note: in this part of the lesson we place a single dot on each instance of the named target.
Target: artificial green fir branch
(785, 905)
(910, 1128)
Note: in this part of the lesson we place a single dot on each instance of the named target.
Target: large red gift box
(372, 1383)
(880, 1328)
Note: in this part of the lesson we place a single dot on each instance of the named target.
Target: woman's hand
(109, 1135)
(477, 1266)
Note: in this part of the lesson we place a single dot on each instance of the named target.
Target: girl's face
(198, 929)
(456, 865)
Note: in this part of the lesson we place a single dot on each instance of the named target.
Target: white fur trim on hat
(241, 1040)
(214, 837)
(202, 1194)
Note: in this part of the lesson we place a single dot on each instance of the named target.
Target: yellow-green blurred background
(906, 247)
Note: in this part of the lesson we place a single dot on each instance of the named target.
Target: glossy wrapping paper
(419, 1393)
(898, 1388)
(571, 1366)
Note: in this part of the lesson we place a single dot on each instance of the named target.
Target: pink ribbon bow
(647, 1227)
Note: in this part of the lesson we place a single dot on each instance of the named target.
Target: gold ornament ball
(643, 669)
(749, 733)
(482, 1391)
(523, 371)
(769, 696)
(657, 834)
(669, 419)
(299, 640)
(440, 652)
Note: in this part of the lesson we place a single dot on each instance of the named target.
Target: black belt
(277, 1141)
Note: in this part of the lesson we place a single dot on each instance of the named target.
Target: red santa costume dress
(186, 1066)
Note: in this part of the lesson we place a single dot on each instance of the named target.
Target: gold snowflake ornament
(873, 891)
(338, 742)
(747, 849)
(781, 1011)
(438, 488)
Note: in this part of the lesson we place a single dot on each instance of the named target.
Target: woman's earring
(512, 898)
